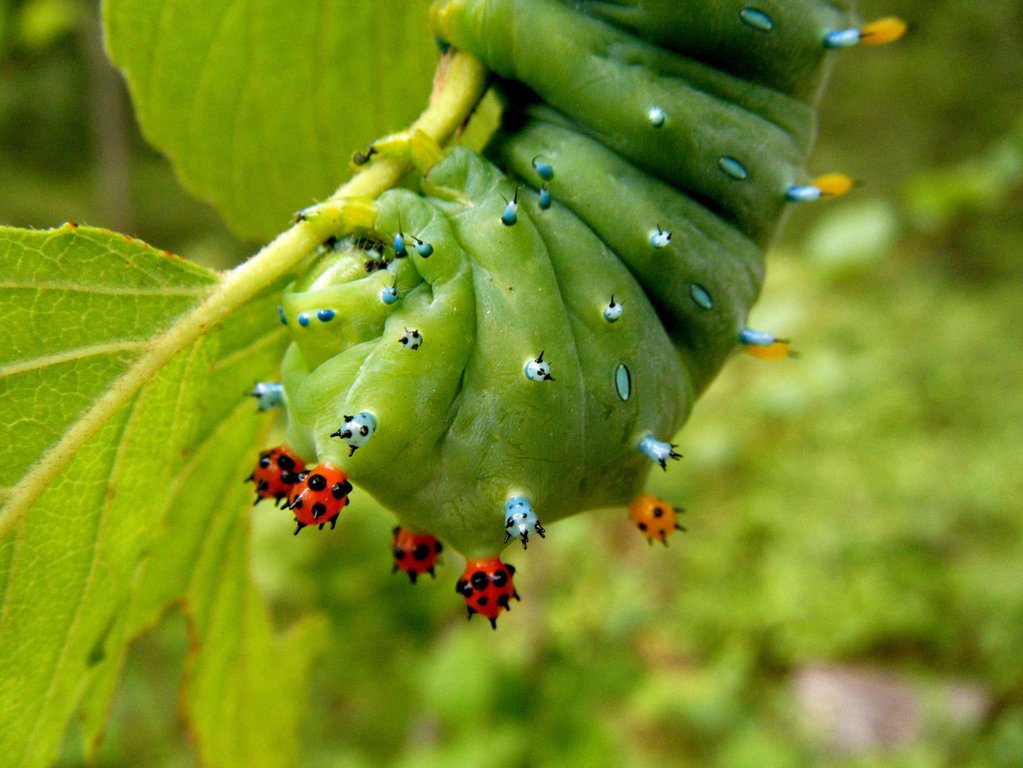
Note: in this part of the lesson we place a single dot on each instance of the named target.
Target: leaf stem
(458, 87)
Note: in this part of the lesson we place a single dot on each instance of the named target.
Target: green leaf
(245, 689)
(78, 307)
(150, 509)
(260, 105)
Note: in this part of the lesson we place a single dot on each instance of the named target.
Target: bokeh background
(850, 589)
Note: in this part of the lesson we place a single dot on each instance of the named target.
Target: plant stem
(459, 84)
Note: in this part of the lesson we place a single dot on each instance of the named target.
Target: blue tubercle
(422, 247)
(389, 295)
(545, 197)
(543, 169)
(842, 38)
(658, 451)
(281, 315)
(803, 193)
(356, 430)
(511, 211)
(660, 238)
(613, 310)
(325, 315)
(519, 518)
(268, 394)
(756, 338)
(538, 369)
(303, 319)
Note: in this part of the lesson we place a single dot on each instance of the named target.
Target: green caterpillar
(517, 342)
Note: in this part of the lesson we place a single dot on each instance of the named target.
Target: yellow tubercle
(779, 350)
(883, 31)
(833, 184)
(655, 518)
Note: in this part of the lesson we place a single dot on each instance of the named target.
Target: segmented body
(535, 324)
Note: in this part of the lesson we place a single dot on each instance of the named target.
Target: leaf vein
(78, 353)
(80, 604)
(107, 290)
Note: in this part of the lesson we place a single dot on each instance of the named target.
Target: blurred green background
(850, 590)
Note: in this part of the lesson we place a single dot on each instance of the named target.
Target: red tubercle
(414, 553)
(276, 473)
(319, 496)
(487, 586)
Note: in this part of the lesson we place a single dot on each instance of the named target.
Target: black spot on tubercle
(479, 580)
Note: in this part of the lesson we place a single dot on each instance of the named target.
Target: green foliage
(79, 308)
(93, 555)
(252, 103)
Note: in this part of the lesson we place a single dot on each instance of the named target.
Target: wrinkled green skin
(460, 427)
(787, 59)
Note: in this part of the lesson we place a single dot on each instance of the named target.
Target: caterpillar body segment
(458, 427)
(779, 43)
(712, 117)
(505, 431)
(703, 249)
(660, 391)
(344, 286)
